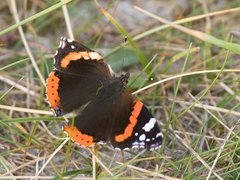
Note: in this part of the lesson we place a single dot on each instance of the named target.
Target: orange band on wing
(73, 56)
(78, 137)
(52, 85)
(132, 122)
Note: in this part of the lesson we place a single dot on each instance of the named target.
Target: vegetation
(185, 69)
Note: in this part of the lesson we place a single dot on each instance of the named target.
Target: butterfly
(81, 81)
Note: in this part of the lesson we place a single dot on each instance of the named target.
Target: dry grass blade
(150, 173)
(197, 156)
(213, 108)
(200, 35)
(215, 117)
(229, 90)
(221, 149)
(190, 91)
(3, 176)
(101, 163)
(182, 75)
(15, 14)
(143, 60)
(67, 20)
(50, 158)
(46, 11)
(26, 110)
(197, 135)
(18, 86)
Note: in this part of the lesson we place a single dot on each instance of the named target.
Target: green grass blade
(143, 60)
(35, 16)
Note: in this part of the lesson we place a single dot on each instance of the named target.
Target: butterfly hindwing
(100, 117)
(142, 130)
(116, 116)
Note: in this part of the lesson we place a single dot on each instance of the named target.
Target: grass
(193, 64)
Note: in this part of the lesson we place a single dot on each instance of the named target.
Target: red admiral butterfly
(106, 112)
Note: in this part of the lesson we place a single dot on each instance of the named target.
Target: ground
(183, 59)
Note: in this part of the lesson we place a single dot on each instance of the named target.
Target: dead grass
(194, 93)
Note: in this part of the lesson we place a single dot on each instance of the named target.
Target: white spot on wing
(60, 44)
(149, 125)
(135, 143)
(63, 44)
(136, 146)
(86, 57)
(110, 69)
(159, 134)
(142, 137)
(102, 142)
(72, 46)
(95, 55)
(136, 134)
(69, 40)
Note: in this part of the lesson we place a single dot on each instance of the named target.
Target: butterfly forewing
(78, 73)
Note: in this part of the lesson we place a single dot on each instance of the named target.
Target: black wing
(79, 72)
(115, 116)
